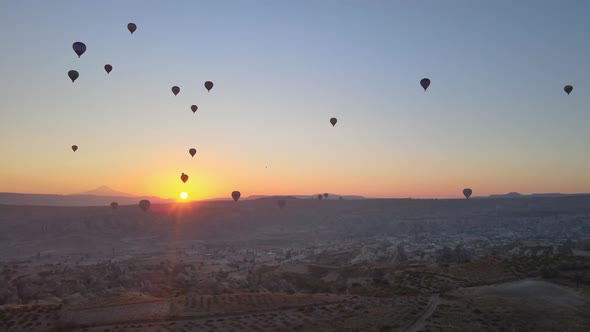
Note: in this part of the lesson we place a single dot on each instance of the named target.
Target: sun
(183, 195)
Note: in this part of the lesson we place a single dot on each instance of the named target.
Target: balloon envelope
(114, 205)
(236, 195)
(131, 27)
(184, 178)
(79, 48)
(320, 196)
(325, 195)
(568, 89)
(425, 83)
(175, 90)
(208, 85)
(467, 192)
(144, 204)
(74, 147)
(192, 151)
(73, 75)
(333, 121)
(108, 68)
(194, 108)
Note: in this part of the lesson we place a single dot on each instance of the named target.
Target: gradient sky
(495, 118)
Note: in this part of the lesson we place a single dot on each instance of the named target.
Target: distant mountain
(508, 195)
(517, 195)
(104, 191)
(73, 200)
(271, 197)
(330, 196)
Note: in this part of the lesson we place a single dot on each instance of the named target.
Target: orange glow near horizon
(218, 172)
(208, 182)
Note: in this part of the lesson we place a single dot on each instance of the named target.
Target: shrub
(549, 272)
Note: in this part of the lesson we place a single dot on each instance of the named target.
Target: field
(278, 312)
(524, 305)
(29, 318)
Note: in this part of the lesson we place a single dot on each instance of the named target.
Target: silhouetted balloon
(144, 204)
(208, 85)
(236, 195)
(333, 121)
(192, 151)
(320, 196)
(114, 205)
(175, 90)
(194, 108)
(73, 75)
(325, 195)
(467, 192)
(79, 48)
(108, 68)
(184, 178)
(74, 147)
(131, 27)
(568, 89)
(282, 203)
(425, 83)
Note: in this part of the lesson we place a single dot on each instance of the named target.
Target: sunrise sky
(495, 117)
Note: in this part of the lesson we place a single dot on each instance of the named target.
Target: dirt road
(419, 323)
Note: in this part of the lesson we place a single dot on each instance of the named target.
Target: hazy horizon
(495, 118)
(311, 195)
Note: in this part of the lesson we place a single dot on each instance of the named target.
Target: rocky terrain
(331, 265)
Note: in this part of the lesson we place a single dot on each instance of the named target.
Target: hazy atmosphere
(294, 166)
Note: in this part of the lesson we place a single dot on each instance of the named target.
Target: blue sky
(495, 117)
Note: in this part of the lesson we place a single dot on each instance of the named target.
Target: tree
(401, 254)
(445, 256)
(565, 248)
(578, 276)
(549, 272)
(461, 254)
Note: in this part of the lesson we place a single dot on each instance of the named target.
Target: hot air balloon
(192, 151)
(74, 147)
(144, 204)
(73, 75)
(131, 27)
(568, 89)
(184, 178)
(108, 68)
(175, 90)
(325, 195)
(425, 83)
(333, 121)
(79, 48)
(236, 195)
(114, 205)
(208, 85)
(467, 192)
(194, 108)
(281, 203)
(320, 196)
